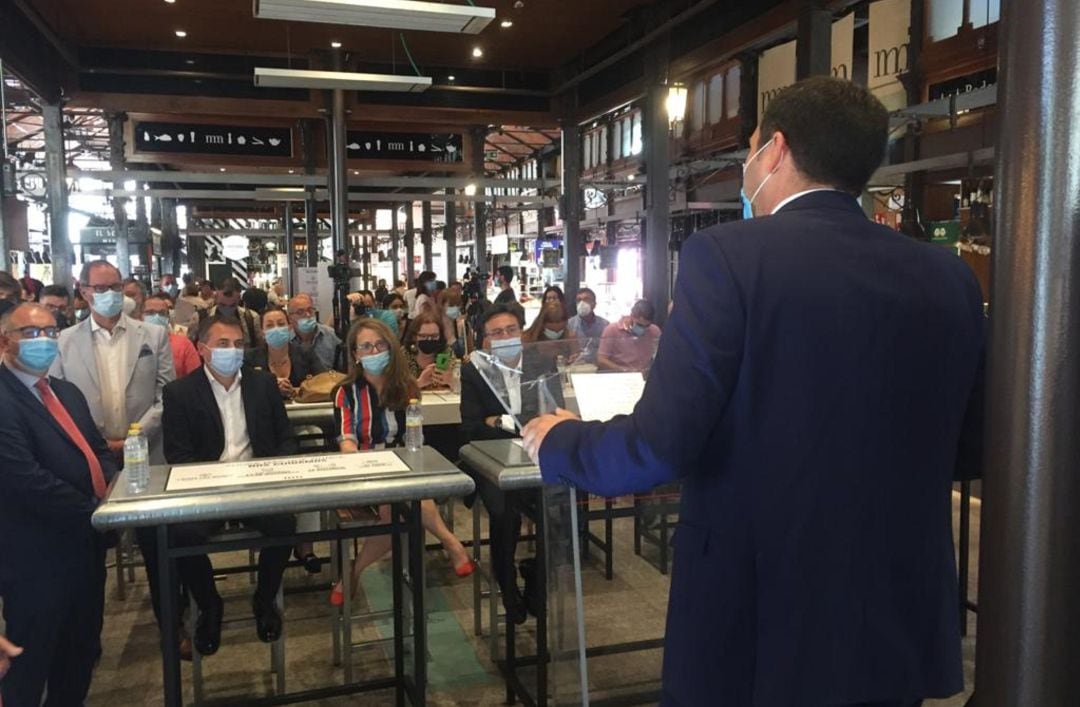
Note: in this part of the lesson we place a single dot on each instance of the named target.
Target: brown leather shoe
(185, 649)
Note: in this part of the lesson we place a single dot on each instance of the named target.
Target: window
(635, 143)
(731, 91)
(616, 144)
(596, 148)
(586, 152)
(627, 142)
(985, 12)
(716, 98)
(603, 145)
(945, 18)
(697, 106)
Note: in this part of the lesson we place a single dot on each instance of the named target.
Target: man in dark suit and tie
(220, 413)
(54, 469)
(817, 388)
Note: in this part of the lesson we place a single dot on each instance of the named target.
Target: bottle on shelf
(137, 459)
(414, 426)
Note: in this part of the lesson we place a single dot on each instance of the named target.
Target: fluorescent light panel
(393, 14)
(349, 81)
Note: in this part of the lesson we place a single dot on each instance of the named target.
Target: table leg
(541, 618)
(399, 606)
(170, 635)
(416, 573)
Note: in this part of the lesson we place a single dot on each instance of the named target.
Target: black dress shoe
(527, 569)
(267, 620)
(208, 628)
(515, 606)
(312, 563)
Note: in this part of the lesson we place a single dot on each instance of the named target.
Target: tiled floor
(629, 607)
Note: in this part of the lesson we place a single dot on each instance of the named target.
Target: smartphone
(442, 361)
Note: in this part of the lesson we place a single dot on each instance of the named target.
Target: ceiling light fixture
(181, 33)
(676, 104)
(392, 14)
(335, 45)
(477, 52)
(506, 24)
(170, 1)
(451, 77)
(301, 78)
(470, 190)
(222, 169)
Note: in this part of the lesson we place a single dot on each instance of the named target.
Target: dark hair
(644, 308)
(413, 330)
(207, 324)
(499, 309)
(56, 291)
(400, 385)
(9, 286)
(390, 298)
(255, 299)
(587, 291)
(507, 272)
(230, 286)
(558, 293)
(837, 130)
(550, 312)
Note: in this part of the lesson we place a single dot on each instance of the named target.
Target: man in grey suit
(120, 364)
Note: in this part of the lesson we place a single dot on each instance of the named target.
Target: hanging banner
(843, 46)
(776, 71)
(889, 23)
(203, 139)
(416, 147)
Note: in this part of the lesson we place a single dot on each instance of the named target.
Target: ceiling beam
(264, 195)
(301, 180)
(30, 51)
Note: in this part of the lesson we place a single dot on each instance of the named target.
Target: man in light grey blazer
(120, 364)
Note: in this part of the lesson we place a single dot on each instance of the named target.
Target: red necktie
(56, 409)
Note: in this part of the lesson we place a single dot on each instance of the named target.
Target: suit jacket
(149, 355)
(193, 428)
(303, 362)
(46, 496)
(479, 402)
(816, 389)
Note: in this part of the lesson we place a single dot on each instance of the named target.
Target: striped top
(359, 417)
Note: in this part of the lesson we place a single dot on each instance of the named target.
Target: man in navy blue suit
(54, 468)
(817, 387)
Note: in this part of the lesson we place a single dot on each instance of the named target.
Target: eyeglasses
(102, 289)
(367, 347)
(33, 332)
(302, 312)
(512, 330)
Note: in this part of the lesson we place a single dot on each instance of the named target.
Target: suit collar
(202, 383)
(29, 401)
(249, 392)
(823, 199)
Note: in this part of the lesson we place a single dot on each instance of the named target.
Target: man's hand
(534, 433)
(8, 650)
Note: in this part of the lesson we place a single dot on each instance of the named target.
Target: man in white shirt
(228, 415)
(120, 364)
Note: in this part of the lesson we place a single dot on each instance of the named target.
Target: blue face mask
(638, 330)
(108, 304)
(748, 201)
(376, 364)
(278, 336)
(37, 354)
(156, 319)
(747, 207)
(552, 334)
(430, 286)
(226, 362)
(507, 349)
(453, 312)
(307, 325)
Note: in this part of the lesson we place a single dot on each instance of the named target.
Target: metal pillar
(480, 232)
(657, 267)
(425, 234)
(450, 235)
(1028, 648)
(142, 222)
(573, 247)
(410, 248)
(147, 252)
(287, 249)
(119, 204)
(56, 175)
(748, 93)
(311, 212)
(395, 245)
(170, 238)
(339, 177)
(196, 255)
(813, 50)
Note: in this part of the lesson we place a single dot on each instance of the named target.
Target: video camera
(475, 285)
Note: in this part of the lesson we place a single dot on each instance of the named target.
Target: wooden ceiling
(544, 35)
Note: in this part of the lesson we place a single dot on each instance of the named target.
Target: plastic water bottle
(560, 366)
(137, 459)
(414, 426)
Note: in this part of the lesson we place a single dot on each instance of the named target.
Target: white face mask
(584, 309)
(748, 201)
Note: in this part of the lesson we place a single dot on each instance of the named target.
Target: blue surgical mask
(278, 336)
(552, 334)
(748, 201)
(507, 349)
(37, 354)
(108, 303)
(226, 362)
(171, 289)
(156, 319)
(376, 364)
(430, 286)
(453, 312)
(307, 325)
(638, 330)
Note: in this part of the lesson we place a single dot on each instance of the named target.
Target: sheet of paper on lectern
(602, 396)
(268, 471)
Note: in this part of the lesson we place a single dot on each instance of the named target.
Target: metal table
(506, 463)
(430, 475)
(440, 408)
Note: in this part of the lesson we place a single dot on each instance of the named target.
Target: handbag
(319, 388)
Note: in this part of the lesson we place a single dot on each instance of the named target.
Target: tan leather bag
(318, 388)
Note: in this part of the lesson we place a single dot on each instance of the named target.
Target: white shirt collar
(214, 381)
(27, 379)
(121, 324)
(801, 194)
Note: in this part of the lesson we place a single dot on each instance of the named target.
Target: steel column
(170, 238)
(410, 250)
(813, 50)
(1028, 646)
(311, 213)
(56, 175)
(395, 245)
(573, 247)
(425, 234)
(450, 236)
(657, 266)
(287, 249)
(479, 136)
(119, 204)
(339, 183)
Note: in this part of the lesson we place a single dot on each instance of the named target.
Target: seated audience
(630, 344)
(424, 341)
(156, 310)
(587, 327)
(57, 299)
(227, 303)
(369, 410)
(551, 326)
(284, 356)
(310, 333)
(455, 323)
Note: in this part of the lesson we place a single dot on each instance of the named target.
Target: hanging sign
(963, 84)
(776, 71)
(416, 147)
(889, 23)
(843, 46)
(203, 139)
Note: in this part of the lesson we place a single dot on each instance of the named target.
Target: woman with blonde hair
(369, 409)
